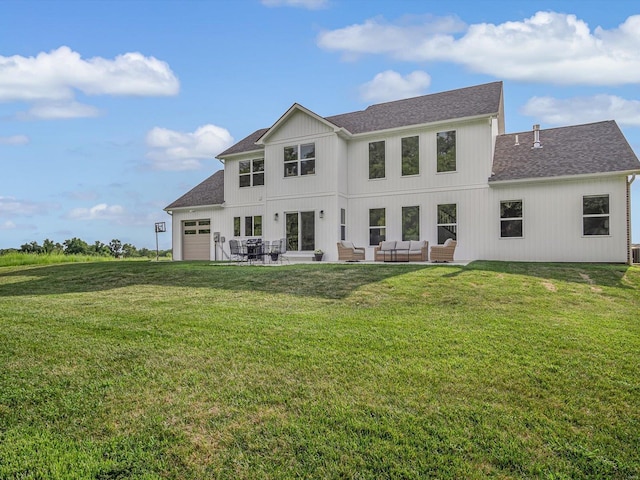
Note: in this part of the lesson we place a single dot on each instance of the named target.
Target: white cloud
(59, 110)
(101, 211)
(14, 140)
(11, 206)
(390, 85)
(548, 47)
(171, 150)
(8, 225)
(569, 111)
(309, 4)
(53, 78)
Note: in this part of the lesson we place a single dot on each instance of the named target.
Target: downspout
(629, 251)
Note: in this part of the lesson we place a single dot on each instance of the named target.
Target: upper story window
(595, 215)
(446, 151)
(410, 156)
(300, 160)
(251, 172)
(376, 160)
(511, 219)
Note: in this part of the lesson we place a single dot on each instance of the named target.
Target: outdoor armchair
(350, 253)
(443, 253)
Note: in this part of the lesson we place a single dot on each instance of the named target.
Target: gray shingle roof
(576, 150)
(209, 192)
(461, 103)
(247, 144)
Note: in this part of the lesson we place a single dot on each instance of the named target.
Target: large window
(343, 224)
(595, 215)
(301, 231)
(251, 172)
(236, 226)
(410, 223)
(300, 160)
(447, 222)
(511, 219)
(376, 160)
(446, 149)
(377, 226)
(410, 156)
(253, 226)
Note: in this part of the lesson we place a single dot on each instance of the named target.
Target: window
(343, 224)
(511, 219)
(300, 160)
(410, 223)
(377, 226)
(376, 160)
(253, 226)
(446, 151)
(447, 222)
(236, 226)
(251, 172)
(595, 215)
(300, 231)
(410, 156)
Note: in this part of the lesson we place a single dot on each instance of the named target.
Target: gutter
(629, 250)
(582, 176)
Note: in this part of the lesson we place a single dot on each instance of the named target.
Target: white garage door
(196, 240)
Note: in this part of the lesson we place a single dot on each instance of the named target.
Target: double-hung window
(410, 156)
(300, 160)
(236, 226)
(376, 159)
(343, 224)
(595, 215)
(253, 226)
(511, 219)
(447, 222)
(377, 226)
(446, 151)
(251, 172)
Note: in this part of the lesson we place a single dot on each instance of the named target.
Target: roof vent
(517, 141)
(536, 137)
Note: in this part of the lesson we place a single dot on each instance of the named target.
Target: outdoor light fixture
(321, 213)
(275, 216)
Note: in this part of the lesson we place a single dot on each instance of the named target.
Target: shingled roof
(576, 150)
(209, 192)
(454, 104)
(460, 103)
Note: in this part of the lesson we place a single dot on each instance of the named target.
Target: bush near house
(189, 370)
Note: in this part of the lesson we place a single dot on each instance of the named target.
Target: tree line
(76, 246)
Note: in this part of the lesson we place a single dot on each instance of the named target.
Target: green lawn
(190, 370)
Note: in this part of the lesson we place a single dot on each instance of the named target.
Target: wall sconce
(321, 213)
(275, 216)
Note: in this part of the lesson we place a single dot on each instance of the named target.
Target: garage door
(196, 240)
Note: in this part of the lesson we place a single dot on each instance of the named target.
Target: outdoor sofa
(392, 250)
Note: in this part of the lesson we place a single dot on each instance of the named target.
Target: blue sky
(110, 110)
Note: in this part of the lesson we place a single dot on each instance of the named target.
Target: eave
(563, 178)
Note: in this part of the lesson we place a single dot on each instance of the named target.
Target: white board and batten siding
(553, 223)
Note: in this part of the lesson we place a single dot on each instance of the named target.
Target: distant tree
(145, 252)
(100, 249)
(76, 246)
(115, 247)
(129, 251)
(32, 247)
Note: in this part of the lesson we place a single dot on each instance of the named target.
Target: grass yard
(189, 371)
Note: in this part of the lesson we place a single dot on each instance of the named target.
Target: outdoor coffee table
(393, 255)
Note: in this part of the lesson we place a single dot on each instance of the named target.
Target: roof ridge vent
(536, 137)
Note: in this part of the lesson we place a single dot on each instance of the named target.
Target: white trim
(563, 178)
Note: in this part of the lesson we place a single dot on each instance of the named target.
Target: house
(431, 167)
